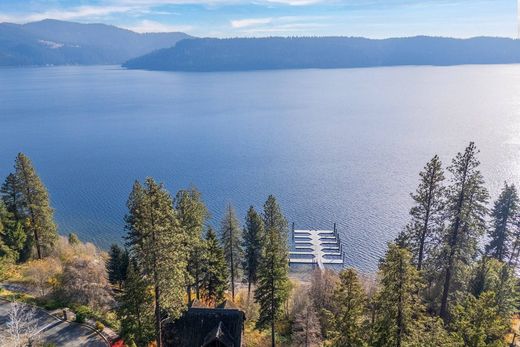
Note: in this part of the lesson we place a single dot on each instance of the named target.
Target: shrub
(82, 313)
(99, 326)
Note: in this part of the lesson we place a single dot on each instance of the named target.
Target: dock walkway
(316, 247)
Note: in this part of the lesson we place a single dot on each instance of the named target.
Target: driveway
(61, 333)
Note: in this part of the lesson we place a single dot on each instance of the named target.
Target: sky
(258, 18)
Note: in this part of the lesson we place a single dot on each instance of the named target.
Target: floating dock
(316, 247)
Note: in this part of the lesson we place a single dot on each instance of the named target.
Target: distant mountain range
(52, 42)
(326, 52)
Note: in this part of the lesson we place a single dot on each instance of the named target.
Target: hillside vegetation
(326, 52)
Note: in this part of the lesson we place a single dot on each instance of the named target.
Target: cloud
(76, 13)
(149, 26)
(248, 22)
(297, 2)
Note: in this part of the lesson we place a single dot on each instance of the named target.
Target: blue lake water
(339, 146)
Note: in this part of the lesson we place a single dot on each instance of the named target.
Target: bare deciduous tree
(306, 329)
(20, 328)
(43, 274)
(85, 282)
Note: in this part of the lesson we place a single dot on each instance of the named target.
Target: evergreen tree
(135, 310)
(117, 265)
(192, 214)
(273, 217)
(6, 253)
(426, 213)
(35, 207)
(399, 306)
(15, 238)
(10, 191)
(215, 271)
(73, 239)
(273, 281)
(232, 243)
(156, 241)
(430, 332)
(503, 218)
(492, 275)
(350, 299)
(477, 321)
(254, 234)
(466, 211)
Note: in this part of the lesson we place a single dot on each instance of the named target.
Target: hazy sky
(228, 18)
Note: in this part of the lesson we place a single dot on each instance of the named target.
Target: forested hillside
(52, 42)
(326, 52)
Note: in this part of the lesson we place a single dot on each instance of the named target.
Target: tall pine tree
(426, 213)
(117, 265)
(273, 281)
(215, 271)
(11, 195)
(254, 234)
(135, 309)
(466, 211)
(232, 243)
(398, 302)
(34, 206)
(350, 300)
(192, 214)
(157, 241)
(504, 221)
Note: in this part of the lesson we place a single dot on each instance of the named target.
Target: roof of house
(199, 327)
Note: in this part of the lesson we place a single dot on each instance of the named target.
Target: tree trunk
(232, 261)
(273, 342)
(426, 222)
(248, 288)
(158, 336)
(453, 244)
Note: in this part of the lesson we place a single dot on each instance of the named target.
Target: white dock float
(316, 247)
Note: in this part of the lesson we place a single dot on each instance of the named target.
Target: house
(205, 327)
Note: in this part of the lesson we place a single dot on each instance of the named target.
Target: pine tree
(192, 214)
(273, 281)
(503, 218)
(6, 253)
(215, 271)
(10, 191)
(254, 234)
(273, 217)
(426, 213)
(477, 321)
(232, 243)
(466, 211)
(73, 239)
(350, 299)
(35, 207)
(156, 241)
(398, 302)
(492, 275)
(15, 238)
(117, 265)
(135, 310)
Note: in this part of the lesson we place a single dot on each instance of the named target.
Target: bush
(99, 326)
(82, 313)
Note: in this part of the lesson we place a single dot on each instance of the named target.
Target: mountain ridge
(55, 42)
(239, 54)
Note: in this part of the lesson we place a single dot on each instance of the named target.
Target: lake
(340, 146)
